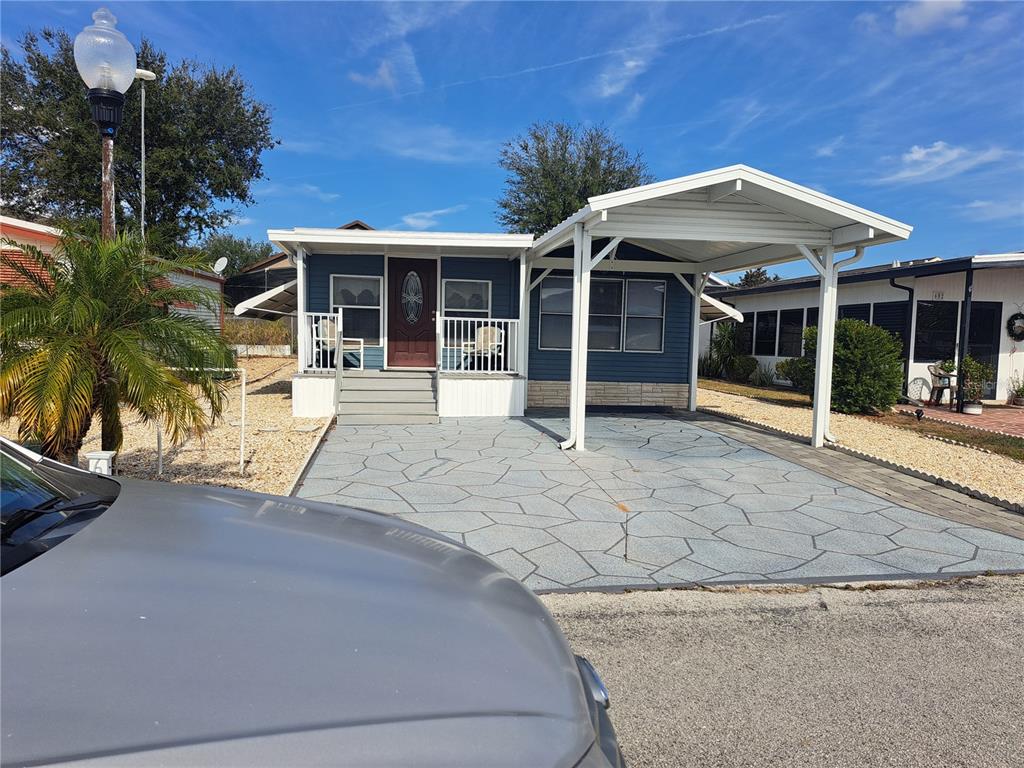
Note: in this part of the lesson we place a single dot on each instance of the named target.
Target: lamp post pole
(142, 75)
(106, 61)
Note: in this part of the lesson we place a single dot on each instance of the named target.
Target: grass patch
(1004, 445)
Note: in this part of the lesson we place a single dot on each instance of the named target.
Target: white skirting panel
(481, 396)
(312, 396)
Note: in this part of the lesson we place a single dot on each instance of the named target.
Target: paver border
(307, 462)
(920, 475)
(905, 409)
(911, 579)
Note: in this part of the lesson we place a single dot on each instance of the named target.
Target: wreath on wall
(1015, 326)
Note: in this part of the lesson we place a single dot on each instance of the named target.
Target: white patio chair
(489, 342)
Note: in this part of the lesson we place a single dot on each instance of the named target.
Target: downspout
(965, 332)
(906, 333)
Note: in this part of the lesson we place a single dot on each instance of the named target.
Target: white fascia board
(999, 258)
(560, 234)
(31, 226)
(375, 238)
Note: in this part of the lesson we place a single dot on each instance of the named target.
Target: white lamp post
(143, 75)
(106, 62)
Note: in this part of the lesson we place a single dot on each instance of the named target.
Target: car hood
(192, 625)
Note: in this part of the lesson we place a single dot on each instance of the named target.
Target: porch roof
(726, 219)
(398, 242)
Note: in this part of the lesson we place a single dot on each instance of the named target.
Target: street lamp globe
(106, 62)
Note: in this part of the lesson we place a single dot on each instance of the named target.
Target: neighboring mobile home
(600, 309)
(921, 302)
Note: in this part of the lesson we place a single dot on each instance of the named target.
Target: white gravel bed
(992, 474)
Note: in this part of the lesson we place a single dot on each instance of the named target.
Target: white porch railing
(321, 341)
(477, 345)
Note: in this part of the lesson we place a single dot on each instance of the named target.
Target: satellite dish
(220, 265)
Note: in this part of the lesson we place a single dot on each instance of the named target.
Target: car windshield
(21, 489)
(43, 503)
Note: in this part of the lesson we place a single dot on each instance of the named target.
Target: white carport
(719, 221)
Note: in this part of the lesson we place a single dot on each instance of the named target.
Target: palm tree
(91, 331)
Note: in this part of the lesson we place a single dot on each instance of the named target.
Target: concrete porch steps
(388, 397)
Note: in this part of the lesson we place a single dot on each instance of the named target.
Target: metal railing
(477, 345)
(322, 329)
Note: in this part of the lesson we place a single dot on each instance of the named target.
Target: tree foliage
(92, 330)
(239, 251)
(554, 167)
(867, 368)
(205, 134)
(754, 277)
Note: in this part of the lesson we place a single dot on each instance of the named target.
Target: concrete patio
(699, 501)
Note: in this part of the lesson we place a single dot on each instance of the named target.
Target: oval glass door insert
(412, 297)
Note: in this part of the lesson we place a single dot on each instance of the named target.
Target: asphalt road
(930, 676)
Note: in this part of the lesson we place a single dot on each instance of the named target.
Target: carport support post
(523, 341)
(580, 330)
(699, 284)
(300, 312)
(825, 346)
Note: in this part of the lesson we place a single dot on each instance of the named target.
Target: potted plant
(1017, 389)
(973, 375)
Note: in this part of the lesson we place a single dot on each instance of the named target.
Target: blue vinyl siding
(503, 274)
(320, 267)
(672, 366)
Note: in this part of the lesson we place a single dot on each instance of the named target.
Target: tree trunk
(112, 436)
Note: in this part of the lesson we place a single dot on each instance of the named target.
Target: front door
(983, 337)
(412, 304)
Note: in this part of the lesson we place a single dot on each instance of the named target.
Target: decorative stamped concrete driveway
(698, 506)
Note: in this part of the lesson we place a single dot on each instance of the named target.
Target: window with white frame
(624, 314)
(358, 298)
(645, 316)
(467, 298)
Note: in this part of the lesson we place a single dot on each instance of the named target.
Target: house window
(631, 308)
(745, 335)
(791, 329)
(764, 333)
(467, 298)
(645, 316)
(855, 312)
(357, 297)
(812, 317)
(935, 334)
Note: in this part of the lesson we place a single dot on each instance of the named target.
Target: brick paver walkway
(994, 418)
(702, 500)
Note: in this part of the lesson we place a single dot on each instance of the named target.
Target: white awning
(270, 305)
(711, 309)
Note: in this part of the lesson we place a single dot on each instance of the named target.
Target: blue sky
(394, 113)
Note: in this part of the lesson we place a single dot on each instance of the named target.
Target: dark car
(157, 624)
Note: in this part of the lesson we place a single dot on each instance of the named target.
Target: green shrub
(973, 376)
(724, 347)
(741, 369)
(867, 369)
(708, 366)
(763, 375)
(799, 371)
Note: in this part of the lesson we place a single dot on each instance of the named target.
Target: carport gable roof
(726, 219)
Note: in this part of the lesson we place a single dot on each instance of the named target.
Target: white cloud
(398, 70)
(633, 107)
(741, 114)
(429, 219)
(432, 143)
(296, 190)
(994, 210)
(301, 147)
(828, 149)
(241, 221)
(940, 161)
(614, 79)
(924, 16)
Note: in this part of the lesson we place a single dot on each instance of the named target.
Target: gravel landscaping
(990, 473)
(913, 675)
(276, 443)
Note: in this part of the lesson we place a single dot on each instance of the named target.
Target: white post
(583, 340)
(699, 283)
(241, 441)
(826, 343)
(523, 340)
(574, 348)
(300, 313)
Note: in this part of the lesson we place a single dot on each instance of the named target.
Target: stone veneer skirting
(555, 394)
